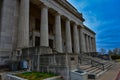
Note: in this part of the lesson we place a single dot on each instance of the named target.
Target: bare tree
(116, 51)
(110, 52)
(102, 51)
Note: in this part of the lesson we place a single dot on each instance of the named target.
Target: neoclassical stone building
(50, 23)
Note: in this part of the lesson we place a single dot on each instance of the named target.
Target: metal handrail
(93, 62)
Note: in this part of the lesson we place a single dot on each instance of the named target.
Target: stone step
(107, 66)
(97, 68)
(85, 67)
(91, 69)
(94, 70)
(95, 73)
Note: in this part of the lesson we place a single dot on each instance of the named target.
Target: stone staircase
(94, 66)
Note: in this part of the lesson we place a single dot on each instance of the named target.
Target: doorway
(37, 41)
(51, 43)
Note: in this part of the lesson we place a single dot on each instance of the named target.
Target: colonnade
(24, 29)
(23, 40)
(90, 43)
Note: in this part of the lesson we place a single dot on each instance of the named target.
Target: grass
(35, 75)
(117, 60)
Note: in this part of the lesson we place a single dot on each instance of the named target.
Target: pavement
(112, 74)
(118, 76)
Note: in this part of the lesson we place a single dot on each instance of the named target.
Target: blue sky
(103, 17)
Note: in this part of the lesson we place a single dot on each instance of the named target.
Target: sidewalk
(111, 74)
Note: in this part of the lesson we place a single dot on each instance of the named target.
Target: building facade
(49, 23)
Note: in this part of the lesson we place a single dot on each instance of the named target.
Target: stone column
(1, 6)
(90, 44)
(23, 30)
(16, 20)
(94, 45)
(58, 35)
(8, 26)
(84, 37)
(87, 43)
(44, 27)
(76, 39)
(82, 41)
(68, 37)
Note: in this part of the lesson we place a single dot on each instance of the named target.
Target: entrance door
(37, 41)
(51, 43)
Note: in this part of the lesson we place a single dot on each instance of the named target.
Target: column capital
(57, 13)
(75, 24)
(67, 19)
(44, 6)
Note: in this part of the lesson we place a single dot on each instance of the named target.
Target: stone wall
(57, 63)
(11, 77)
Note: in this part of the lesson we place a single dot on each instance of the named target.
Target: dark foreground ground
(112, 74)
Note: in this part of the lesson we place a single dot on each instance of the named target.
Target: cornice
(70, 8)
(85, 27)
